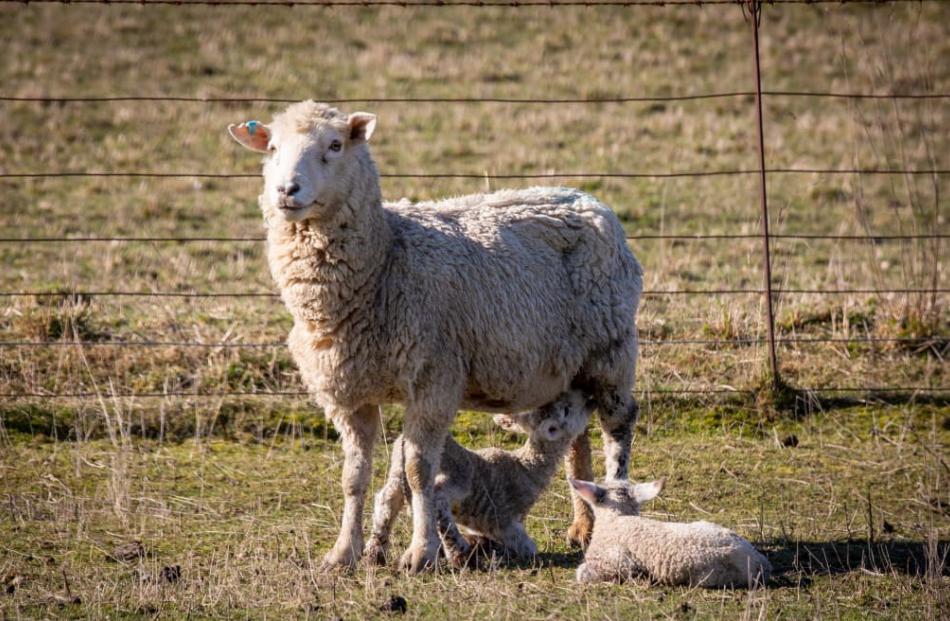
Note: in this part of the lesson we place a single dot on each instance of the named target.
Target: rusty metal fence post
(754, 15)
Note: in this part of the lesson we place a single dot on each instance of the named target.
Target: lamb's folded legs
(578, 466)
(358, 429)
(456, 548)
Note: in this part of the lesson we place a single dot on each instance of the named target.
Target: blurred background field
(196, 478)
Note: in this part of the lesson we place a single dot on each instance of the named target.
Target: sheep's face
(619, 497)
(561, 420)
(310, 158)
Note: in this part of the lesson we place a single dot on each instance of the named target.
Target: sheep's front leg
(358, 429)
(386, 507)
(424, 437)
(578, 466)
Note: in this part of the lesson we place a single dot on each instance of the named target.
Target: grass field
(241, 492)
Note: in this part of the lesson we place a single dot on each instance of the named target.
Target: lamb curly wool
(625, 545)
(492, 302)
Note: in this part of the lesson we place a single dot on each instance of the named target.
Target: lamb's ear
(590, 492)
(362, 125)
(252, 135)
(644, 492)
(508, 423)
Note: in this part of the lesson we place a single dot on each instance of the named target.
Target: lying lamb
(493, 302)
(625, 545)
(489, 491)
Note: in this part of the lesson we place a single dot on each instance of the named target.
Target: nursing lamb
(494, 302)
(490, 491)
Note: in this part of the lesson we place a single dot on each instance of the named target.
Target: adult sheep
(494, 302)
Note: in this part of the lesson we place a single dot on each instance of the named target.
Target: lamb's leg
(518, 543)
(358, 429)
(424, 437)
(388, 503)
(456, 547)
(578, 466)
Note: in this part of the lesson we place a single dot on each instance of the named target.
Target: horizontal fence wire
(652, 342)
(512, 4)
(452, 175)
(212, 99)
(651, 292)
(874, 390)
(645, 237)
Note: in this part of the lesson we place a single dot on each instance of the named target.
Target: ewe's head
(312, 157)
(618, 497)
(562, 420)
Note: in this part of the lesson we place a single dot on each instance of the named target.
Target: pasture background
(242, 493)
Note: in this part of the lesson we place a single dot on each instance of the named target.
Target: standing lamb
(492, 302)
(489, 491)
(625, 545)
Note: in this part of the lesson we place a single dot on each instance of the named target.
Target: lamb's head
(558, 422)
(314, 155)
(617, 497)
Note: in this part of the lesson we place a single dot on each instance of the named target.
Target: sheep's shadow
(799, 562)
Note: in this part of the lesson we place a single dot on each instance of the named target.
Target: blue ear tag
(251, 127)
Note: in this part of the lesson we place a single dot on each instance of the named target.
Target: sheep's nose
(288, 189)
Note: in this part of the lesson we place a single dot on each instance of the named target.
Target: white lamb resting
(625, 545)
(494, 302)
(488, 492)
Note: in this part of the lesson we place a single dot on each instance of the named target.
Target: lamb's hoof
(374, 554)
(578, 535)
(418, 560)
(339, 561)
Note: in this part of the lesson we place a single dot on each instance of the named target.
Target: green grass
(241, 492)
(846, 515)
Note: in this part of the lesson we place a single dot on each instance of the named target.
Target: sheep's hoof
(578, 535)
(374, 553)
(417, 560)
(339, 560)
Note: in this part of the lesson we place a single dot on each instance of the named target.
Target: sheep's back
(535, 279)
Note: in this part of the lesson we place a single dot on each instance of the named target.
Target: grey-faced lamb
(625, 545)
(488, 492)
(494, 302)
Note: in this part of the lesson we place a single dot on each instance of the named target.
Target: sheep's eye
(336, 145)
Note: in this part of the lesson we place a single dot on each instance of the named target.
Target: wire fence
(768, 292)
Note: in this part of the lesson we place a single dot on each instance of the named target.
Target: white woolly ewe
(494, 302)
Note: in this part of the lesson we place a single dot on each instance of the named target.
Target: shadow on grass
(797, 560)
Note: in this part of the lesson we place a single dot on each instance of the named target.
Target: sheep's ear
(251, 135)
(362, 125)
(644, 492)
(590, 492)
(508, 423)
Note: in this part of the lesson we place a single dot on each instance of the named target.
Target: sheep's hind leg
(618, 412)
(386, 507)
(358, 430)
(578, 466)
(424, 439)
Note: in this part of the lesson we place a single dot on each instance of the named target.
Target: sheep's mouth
(293, 207)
